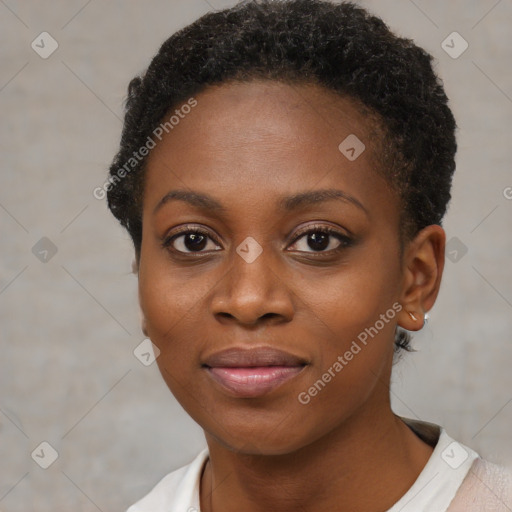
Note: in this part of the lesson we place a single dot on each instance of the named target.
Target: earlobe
(415, 322)
(422, 272)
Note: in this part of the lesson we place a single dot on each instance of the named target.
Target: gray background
(69, 326)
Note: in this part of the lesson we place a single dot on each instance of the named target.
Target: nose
(253, 292)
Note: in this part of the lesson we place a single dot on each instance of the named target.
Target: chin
(260, 437)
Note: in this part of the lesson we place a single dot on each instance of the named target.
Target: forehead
(267, 139)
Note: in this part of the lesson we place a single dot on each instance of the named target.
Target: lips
(257, 356)
(252, 372)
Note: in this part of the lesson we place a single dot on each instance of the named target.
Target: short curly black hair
(339, 46)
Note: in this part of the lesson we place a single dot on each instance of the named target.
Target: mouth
(250, 373)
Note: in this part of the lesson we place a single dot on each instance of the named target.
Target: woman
(283, 173)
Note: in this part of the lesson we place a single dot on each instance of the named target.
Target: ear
(423, 266)
(143, 324)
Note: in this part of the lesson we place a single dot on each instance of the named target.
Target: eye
(190, 240)
(321, 239)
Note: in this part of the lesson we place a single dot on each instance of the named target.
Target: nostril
(269, 315)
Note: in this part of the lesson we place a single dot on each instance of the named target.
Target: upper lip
(258, 356)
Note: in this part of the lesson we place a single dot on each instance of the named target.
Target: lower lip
(253, 382)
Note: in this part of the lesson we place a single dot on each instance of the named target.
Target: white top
(454, 474)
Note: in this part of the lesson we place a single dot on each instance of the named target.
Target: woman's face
(254, 277)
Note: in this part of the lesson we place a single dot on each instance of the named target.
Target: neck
(367, 463)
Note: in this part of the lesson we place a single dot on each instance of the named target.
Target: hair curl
(338, 46)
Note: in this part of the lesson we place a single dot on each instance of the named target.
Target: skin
(248, 145)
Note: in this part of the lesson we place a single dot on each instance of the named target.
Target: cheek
(172, 300)
(168, 295)
(163, 301)
(171, 309)
(355, 325)
(355, 331)
(346, 302)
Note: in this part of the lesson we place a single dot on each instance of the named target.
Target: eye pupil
(197, 241)
(318, 241)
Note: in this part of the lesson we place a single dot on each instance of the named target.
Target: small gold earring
(412, 316)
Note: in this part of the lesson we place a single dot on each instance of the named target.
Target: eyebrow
(288, 203)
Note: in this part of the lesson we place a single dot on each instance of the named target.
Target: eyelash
(344, 240)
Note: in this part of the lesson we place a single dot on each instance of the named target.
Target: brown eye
(321, 239)
(190, 241)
